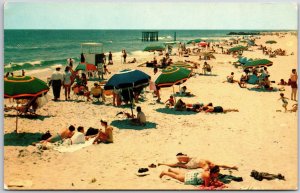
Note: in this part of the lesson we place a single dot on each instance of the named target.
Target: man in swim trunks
(293, 83)
(67, 133)
(209, 108)
(187, 162)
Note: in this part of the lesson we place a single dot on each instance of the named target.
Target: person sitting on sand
(206, 68)
(106, 136)
(230, 78)
(97, 91)
(282, 82)
(170, 102)
(194, 177)
(67, 133)
(244, 79)
(180, 105)
(294, 108)
(183, 91)
(284, 101)
(132, 61)
(187, 162)
(78, 136)
(140, 117)
(209, 108)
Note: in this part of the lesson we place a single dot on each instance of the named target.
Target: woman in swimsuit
(209, 108)
(194, 177)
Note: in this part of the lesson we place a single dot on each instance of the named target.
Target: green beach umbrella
(195, 40)
(154, 48)
(24, 87)
(182, 64)
(271, 42)
(258, 63)
(172, 75)
(237, 48)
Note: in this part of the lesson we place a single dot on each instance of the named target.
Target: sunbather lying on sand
(195, 177)
(209, 108)
(187, 162)
(67, 133)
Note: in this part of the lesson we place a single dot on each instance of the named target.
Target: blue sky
(145, 15)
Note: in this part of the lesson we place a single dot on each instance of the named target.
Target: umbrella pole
(174, 94)
(131, 105)
(17, 122)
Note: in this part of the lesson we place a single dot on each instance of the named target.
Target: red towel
(216, 185)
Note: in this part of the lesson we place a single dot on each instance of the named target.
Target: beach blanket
(66, 147)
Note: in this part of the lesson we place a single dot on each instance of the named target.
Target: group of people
(201, 172)
(80, 136)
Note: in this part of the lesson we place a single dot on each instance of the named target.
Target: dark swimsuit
(218, 109)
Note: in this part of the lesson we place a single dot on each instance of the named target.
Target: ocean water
(34, 49)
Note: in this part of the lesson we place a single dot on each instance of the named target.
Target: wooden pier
(150, 36)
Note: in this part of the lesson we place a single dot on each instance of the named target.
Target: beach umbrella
(172, 75)
(271, 42)
(203, 44)
(128, 79)
(182, 64)
(237, 48)
(195, 41)
(152, 48)
(258, 63)
(207, 55)
(19, 87)
(86, 67)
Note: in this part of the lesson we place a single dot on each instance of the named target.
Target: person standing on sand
(67, 82)
(56, 82)
(110, 61)
(284, 101)
(293, 83)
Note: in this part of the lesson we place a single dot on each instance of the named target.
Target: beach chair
(27, 108)
(79, 93)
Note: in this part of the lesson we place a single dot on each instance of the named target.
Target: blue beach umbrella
(128, 79)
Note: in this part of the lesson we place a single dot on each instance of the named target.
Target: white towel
(66, 147)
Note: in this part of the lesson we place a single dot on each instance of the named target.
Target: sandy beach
(258, 137)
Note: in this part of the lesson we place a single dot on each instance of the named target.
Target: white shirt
(77, 138)
(57, 75)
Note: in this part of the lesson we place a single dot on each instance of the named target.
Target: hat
(142, 172)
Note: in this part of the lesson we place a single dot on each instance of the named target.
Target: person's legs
(230, 110)
(181, 165)
(176, 171)
(179, 177)
(294, 91)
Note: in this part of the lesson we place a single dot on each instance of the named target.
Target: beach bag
(91, 131)
(46, 136)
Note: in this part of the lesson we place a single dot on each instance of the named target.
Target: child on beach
(170, 102)
(284, 101)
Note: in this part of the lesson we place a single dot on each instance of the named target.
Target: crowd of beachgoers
(90, 114)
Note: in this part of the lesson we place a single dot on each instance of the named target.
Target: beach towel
(216, 185)
(66, 147)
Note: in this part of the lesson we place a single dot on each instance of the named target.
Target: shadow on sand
(263, 90)
(172, 111)
(125, 124)
(34, 117)
(21, 139)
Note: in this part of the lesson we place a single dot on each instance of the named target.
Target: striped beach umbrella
(24, 87)
(182, 64)
(172, 75)
(258, 63)
(203, 44)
